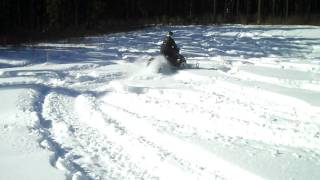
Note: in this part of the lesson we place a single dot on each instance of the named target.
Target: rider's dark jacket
(169, 47)
(170, 50)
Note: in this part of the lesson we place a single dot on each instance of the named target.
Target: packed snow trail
(250, 110)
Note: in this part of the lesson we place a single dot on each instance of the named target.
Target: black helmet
(170, 33)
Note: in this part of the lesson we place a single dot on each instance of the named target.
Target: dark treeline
(21, 17)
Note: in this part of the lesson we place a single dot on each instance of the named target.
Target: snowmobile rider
(170, 51)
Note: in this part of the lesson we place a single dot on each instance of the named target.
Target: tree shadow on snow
(243, 41)
(195, 41)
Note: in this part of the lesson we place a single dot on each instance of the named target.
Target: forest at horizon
(50, 17)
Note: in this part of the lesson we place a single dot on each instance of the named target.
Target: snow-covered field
(90, 108)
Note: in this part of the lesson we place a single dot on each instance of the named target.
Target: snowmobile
(177, 62)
